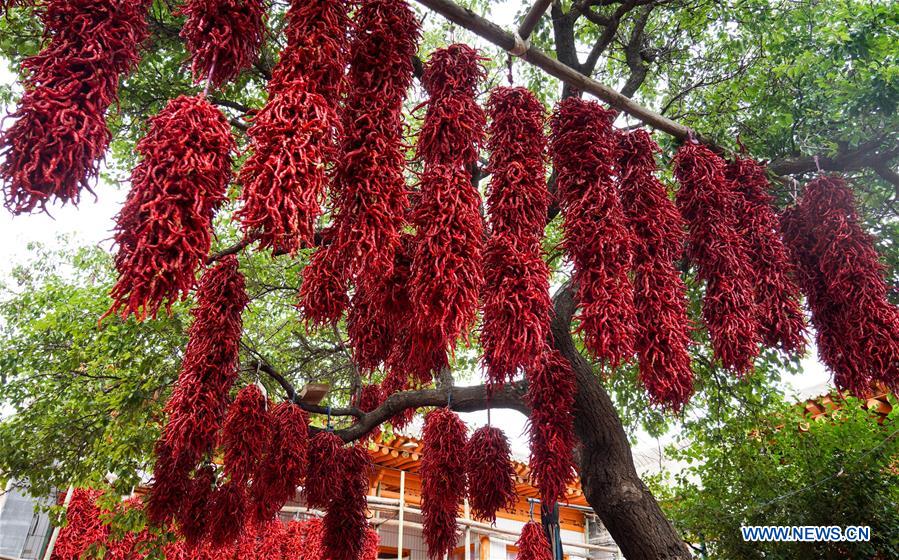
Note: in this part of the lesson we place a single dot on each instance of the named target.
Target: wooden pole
(55, 535)
(517, 46)
(467, 555)
(399, 531)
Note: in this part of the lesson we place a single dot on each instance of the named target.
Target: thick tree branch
(871, 154)
(532, 18)
(461, 399)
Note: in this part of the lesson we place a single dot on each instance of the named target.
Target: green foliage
(772, 465)
(79, 400)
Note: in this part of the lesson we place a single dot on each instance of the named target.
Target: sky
(92, 221)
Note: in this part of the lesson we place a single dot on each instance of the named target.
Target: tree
(721, 69)
(785, 469)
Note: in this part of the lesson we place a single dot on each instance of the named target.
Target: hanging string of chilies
(85, 531)
(53, 149)
(411, 268)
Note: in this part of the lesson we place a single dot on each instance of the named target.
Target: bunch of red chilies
(533, 544)
(776, 294)
(164, 230)
(663, 331)
(54, 148)
(710, 205)
(369, 191)
(443, 482)
(223, 37)
(294, 137)
(197, 407)
(839, 271)
(599, 242)
(446, 276)
(516, 291)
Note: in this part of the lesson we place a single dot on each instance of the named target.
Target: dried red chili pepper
(53, 149)
(532, 545)
(857, 327)
(516, 292)
(285, 465)
(164, 230)
(324, 468)
(550, 395)
(223, 37)
(369, 191)
(446, 275)
(294, 138)
(246, 434)
(83, 528)
(776, 294)
(491, 475)
(443, 484)
(199, 401)
(709, 204)
(345, 521)
(584, 151)
(663, 327)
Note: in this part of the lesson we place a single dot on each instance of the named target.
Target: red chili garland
(194, 511)
(223, 37)
(83, 528)
(857, 328)
(369, 187)
(164, 230)
(660, 296)
(491, 475)
(776, 294)
(446, 274)
(199, 401)
(443, 483)
(293, 138)
(345, 522)
(246, 435)
(53, 149)
(709, 204)
(550, 395)
(533, 544)
(285, 464)
(516, 293)
(324, 469)
(584, 152)
(323, 293)
(227, 514)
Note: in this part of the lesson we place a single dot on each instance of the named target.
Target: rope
(521, 45)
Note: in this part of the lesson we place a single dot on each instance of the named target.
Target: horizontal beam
(513, 43)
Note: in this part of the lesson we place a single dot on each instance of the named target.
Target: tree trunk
(609, 479)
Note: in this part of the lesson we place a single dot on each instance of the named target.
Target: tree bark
(608, 476)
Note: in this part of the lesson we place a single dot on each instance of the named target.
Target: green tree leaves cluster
(782, 468)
